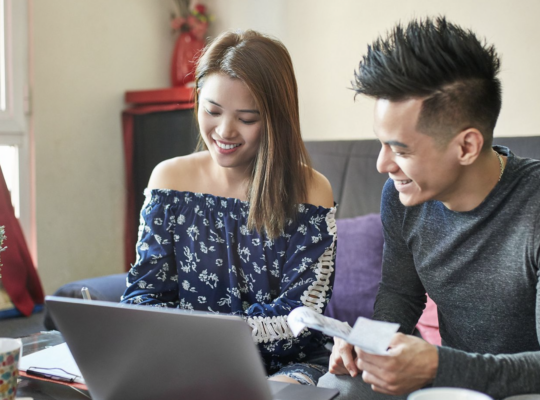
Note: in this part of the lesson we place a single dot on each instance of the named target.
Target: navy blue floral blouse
(196, 252)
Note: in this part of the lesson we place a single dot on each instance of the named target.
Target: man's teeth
(404, 182)
(226, 146)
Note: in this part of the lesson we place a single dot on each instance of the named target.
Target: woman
(244, 226)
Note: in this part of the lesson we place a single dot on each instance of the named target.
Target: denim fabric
(308, 372)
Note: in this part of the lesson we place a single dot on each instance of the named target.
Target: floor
(22, 326)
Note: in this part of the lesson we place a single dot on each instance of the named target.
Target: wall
(327, 39)
(86, 54)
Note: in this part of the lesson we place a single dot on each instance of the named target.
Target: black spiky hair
(448, 66)
(419, 59)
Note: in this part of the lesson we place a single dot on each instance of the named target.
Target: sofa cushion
(358, 268)
(358, 273)
(428, 325)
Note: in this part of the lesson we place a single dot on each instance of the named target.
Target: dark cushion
(358, 268)
(104, 288)
(350, 166)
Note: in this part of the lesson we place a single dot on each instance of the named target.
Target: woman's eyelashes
(244, 121)
(248, 122)
(212, 113)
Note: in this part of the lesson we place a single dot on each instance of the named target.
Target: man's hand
(411, 364)
(343, 359)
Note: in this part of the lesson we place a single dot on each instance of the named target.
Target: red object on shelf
(180, 94)
(186, 52)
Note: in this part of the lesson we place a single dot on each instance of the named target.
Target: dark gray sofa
(351, 168)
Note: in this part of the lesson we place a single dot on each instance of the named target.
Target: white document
(55, 361)
(371, 336)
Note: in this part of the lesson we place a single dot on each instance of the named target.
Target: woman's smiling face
(229, 121)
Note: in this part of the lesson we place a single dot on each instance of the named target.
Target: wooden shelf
(179, 94)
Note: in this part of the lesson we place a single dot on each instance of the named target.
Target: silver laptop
(139, 353)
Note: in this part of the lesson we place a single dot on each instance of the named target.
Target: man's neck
(476, 182)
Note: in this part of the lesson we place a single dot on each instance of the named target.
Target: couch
(350, 167)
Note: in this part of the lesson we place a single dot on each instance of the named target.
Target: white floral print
(206, 258)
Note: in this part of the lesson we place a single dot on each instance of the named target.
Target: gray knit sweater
(481, 268)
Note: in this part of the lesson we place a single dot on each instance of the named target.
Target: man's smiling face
(421, 168)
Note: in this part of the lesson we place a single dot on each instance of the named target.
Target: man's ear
(470, 142)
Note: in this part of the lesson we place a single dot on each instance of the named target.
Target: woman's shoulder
(319, 190)
(179, 173)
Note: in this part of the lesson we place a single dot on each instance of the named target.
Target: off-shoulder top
(196, 252)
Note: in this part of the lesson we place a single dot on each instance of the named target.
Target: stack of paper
(55, 363)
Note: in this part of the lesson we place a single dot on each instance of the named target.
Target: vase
(186, 52)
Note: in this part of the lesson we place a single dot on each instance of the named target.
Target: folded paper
(371, 336)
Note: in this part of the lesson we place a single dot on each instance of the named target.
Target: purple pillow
(358, 268)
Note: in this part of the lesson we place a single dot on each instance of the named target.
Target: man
(461, 222)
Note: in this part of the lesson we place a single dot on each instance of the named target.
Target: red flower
(200, 8)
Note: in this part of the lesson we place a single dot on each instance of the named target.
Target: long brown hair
(281, 168)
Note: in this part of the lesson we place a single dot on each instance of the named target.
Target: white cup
(10, 352)
(447, 394)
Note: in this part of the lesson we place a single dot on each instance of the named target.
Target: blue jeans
(309, 371)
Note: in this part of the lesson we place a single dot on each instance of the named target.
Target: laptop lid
(137, 352)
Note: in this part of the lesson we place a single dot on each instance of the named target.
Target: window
(9, 161)
(14, 107)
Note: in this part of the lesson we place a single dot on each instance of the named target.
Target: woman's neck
(229, 182)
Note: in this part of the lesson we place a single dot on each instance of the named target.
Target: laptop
(132, 352)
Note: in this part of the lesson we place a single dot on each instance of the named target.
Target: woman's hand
(343, 359)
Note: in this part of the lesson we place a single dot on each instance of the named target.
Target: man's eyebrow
(396, 143)
(240, 111)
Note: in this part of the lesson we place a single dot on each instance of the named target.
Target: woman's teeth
(226, 146)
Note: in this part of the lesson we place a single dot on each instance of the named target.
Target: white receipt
(371, 336)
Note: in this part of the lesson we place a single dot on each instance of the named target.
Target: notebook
(140, 353)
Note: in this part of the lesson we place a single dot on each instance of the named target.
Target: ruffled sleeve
(306, 279)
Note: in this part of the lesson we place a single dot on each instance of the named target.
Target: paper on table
(371, 336)
(56, 358)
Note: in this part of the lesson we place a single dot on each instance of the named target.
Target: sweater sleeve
(499, 375)
(153, 279)
(401, 297)
(306, 278)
